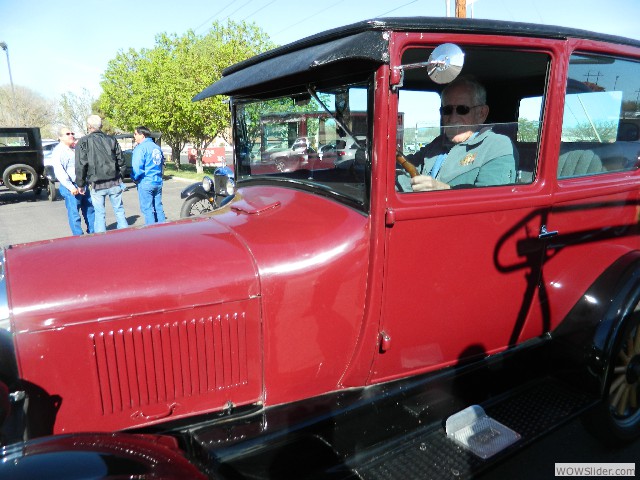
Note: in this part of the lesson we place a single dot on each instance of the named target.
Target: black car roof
(363, 44)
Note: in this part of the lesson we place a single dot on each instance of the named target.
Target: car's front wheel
(195, 206)
(20, 178)
(52, 191)
(617, 419)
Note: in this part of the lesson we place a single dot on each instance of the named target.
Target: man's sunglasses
(460, 109)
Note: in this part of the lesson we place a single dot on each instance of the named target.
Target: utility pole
(461, 8)
(4, 47)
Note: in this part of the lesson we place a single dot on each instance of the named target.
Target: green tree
(74, 110)
(528, 130)
(603, 131)
(155, 87)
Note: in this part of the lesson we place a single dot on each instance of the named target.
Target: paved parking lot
(27, 218)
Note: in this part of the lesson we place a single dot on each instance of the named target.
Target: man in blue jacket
(146, 163)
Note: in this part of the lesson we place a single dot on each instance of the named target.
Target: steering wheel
(407, 165)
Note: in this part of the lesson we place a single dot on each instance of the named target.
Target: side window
(14, 139)
(601, 123)
(482, 130)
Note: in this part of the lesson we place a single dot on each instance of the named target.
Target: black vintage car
(22, 161)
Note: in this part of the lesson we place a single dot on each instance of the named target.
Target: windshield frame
(310, 180)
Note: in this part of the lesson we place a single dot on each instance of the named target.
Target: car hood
(57, 283)
(267, 236)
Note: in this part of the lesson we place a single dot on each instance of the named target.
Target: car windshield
(316, 140)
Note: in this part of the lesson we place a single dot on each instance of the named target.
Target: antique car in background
(326, 324)
(22, 166)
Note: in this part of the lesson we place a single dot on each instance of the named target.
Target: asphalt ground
(27, 217)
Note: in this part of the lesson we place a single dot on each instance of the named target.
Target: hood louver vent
(160, 364)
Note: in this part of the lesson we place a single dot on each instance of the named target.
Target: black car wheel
(617, 419)
(20, 178)
(195, 206)
(52, 191)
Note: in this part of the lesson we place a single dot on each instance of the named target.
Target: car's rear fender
(589, 332)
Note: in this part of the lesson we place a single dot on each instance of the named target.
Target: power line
(394, 9)
(310, 16)
(261, 8)
(241, 6)
(214, 15)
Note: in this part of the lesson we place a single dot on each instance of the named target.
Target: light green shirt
(485, 159)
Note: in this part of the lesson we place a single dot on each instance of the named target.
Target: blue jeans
(150, 197)
(76, 204)
(98, 198)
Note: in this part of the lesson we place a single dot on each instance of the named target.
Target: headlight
(207, 184)
(4, 300)
(231, 188)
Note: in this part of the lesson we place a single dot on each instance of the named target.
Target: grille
(150, 364)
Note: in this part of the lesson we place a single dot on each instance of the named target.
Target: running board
(399, 436)
(528, 414)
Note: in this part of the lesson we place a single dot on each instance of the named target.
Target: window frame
(459, 201)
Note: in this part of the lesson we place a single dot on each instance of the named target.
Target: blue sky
(55, 47)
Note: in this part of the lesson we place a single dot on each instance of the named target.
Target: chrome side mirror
(444, 64)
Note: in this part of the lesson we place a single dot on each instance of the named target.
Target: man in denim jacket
(146, 163)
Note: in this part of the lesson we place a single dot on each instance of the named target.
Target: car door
(462, 265)
(595, 208)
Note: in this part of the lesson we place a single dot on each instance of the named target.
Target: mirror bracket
(397, 78)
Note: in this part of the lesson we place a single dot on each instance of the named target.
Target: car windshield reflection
(304, 142)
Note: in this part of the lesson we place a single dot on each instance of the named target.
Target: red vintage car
(330, 323)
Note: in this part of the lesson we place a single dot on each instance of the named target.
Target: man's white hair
(478, 92)
(94, 121)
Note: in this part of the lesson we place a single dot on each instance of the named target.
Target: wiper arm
(340, 123)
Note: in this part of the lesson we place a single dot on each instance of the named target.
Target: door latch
(544, 233)
(385, 342)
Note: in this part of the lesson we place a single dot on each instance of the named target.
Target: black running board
(398, 436)
(531, 412)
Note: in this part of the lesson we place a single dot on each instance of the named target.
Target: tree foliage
(155, 87)
(74, 110)
(603, 132)
(27, 109)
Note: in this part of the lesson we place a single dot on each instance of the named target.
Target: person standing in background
(146, 163)
(99, 162)
(64, 165)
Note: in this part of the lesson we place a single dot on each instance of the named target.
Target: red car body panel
(144, 352)
(192, 339)
(312, 256)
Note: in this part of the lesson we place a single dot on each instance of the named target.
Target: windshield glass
(316, 140)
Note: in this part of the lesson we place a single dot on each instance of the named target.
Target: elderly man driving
(467, 153)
